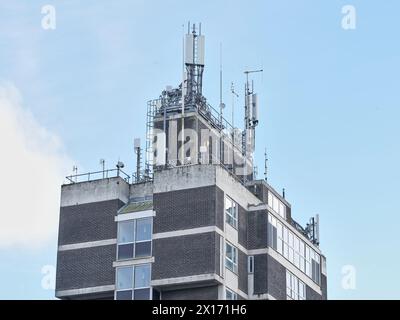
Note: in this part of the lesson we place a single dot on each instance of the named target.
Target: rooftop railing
(97, 175)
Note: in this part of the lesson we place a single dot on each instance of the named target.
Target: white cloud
(32, 167)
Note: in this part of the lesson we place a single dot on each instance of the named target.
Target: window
(134, 238)
(133, 283)
(230, 295)
(276, 205)
(279, 245)
(231, 257)
(315, 267)
(231, 212)
(295, 288)
(294, 249)
(126, 238)
(143, 237)
(272, 232)
(250, 264)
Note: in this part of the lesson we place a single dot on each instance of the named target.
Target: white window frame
(277, 205)
(134, 239)
(295, 288)
(231, 292)
(232, 261)
(234, 217)
(132, 287)
(295, 250)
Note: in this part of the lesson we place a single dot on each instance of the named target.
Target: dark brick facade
(88, 222)
(242, 226)
(185, 256)
(269, 277)
(312, 295)
(276, 279)
(220, 209)
(88, 267)
(242, 272)
(257, 230)
(260, 274)
(186, 209)
(324, 286)
(201, 293)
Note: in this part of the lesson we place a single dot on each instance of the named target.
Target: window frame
(135, 241)
(293, 285)
(228, 216)
(231, 292)
(235, 256)
(133, 287)
(294, 249)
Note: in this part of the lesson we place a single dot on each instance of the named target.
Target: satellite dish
(120, 165)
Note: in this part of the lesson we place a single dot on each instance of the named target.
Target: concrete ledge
(81, 291)
(189, 280)
(89, 244)
(94, 191)
(133, 262)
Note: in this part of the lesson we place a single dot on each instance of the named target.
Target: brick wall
(88, 222)
(186, 209)
(88, 267)
(184, 256)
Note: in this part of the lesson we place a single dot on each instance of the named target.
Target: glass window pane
(142, 294)
(302, 253)
(124, 278)
(290, 239)
(229, 264)
(281, 210)
(234, 255)
(279, 229)
(124, 295)
(126, 231)
(142, 276)
(143, 229)
(143, 249)
(125, 251)
(275, 204)
(285, 250)
(228, 251)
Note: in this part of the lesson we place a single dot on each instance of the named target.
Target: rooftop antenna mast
(250, 120)
(265, 165)
(75, 171)
(103, 164)
(234, 94)
(138, 151)
(221, 104)
(193, 62)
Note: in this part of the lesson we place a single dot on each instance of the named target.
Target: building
(195, 223)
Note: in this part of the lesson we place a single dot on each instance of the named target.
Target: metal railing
(97, 175)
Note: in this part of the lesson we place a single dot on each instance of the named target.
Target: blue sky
(329, 110)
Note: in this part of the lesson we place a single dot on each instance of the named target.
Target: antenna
(250, 118)
(234, 94)
(103, 164)
(265, 165)
(138, 151)
(220, 74)
(75, 171)
(312, 229)
(183, 85)
(283, 193)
